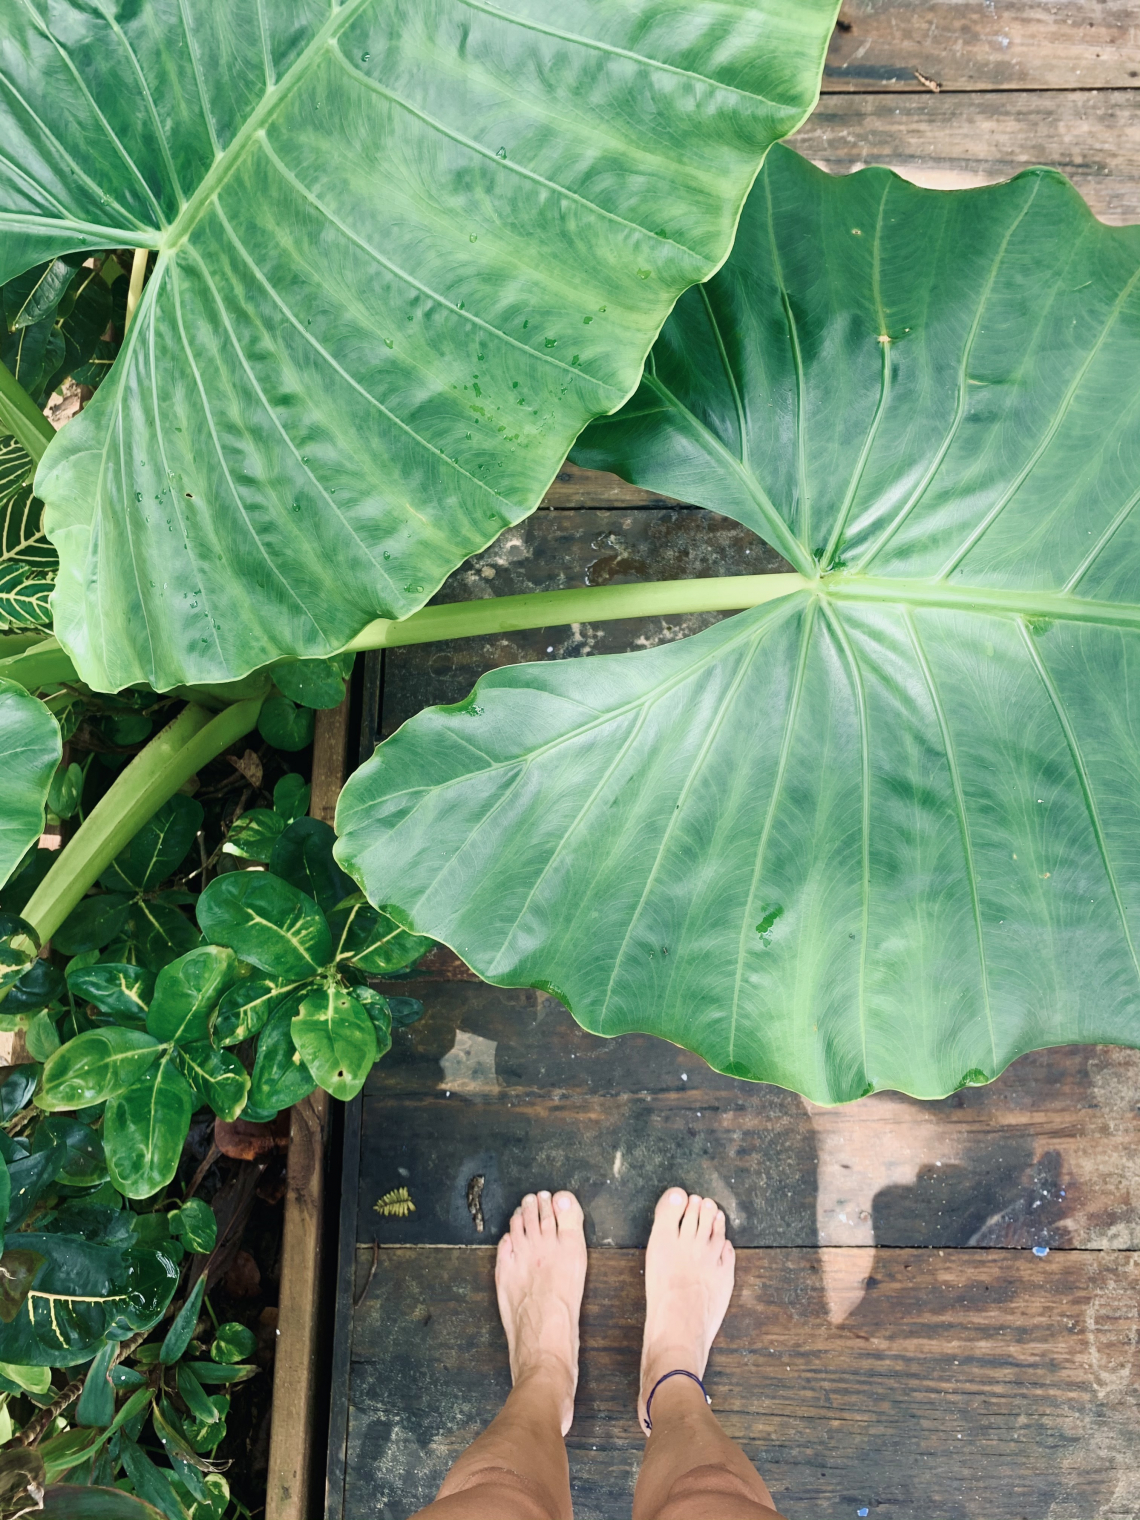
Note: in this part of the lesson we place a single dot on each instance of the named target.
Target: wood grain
(966, 1384)
(330, 751)
(504, 1084)
(293, 1478)
(975, 45)
(951, 141)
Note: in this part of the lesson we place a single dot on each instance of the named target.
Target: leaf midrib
(270, 103)
(1058, 605)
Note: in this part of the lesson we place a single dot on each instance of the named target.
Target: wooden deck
(936, 1312)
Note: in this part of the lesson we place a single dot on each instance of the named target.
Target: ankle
(657, 1361)
(544, 1389)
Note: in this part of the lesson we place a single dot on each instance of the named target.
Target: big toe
(568, 1213)
(670, 1207)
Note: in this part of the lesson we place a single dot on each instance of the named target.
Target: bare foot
(540, 1273)
(689, 1271)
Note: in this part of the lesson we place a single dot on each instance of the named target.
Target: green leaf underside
(31, 746)
(402, 257)
(883, 832)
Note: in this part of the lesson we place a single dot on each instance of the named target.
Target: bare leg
(691, 1470)
(517, 1469)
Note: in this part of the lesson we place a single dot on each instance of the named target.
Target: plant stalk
(20, 416)
(134, 290)
(153, 776)
(590, 604)
(44, 664)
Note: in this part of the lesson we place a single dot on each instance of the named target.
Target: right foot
(540, 1273)
(689, 1270)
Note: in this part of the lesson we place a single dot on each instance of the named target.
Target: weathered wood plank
(294, 1478)
(949, 141)
(984, 45)
(965, 1384)
(575, 488)
(504, 1084)
(572, 547)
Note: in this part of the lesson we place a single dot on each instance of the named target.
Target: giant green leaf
(403, 253)
(884, 831)
(31, 746)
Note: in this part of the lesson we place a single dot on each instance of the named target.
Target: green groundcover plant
(336, 286)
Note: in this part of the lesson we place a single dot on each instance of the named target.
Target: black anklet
(677, 1372)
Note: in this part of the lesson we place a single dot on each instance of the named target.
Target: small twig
(35, 1428)
(371, 1274)
(21, 1120)
(196, 1181)
(925, 79)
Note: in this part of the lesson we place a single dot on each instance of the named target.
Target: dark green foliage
(285, 725)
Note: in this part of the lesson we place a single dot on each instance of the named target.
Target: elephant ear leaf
(31, 745)
(512, 200)
(880, 832)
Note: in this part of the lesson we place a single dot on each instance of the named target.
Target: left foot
(540, 1273)
(689, 1271)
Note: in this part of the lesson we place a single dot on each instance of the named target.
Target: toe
(672, 1203)
(567, 1213)
(529, 1209)
(719, 1225)
(727, 1254)
(706, 1218)
(506, 1248)
(518, 1234)
(670, 1209)
(545, 1213)
(691, 1217)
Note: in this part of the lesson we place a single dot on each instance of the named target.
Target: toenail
(677, 1198)
(563, 1201)
(544, 1195)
